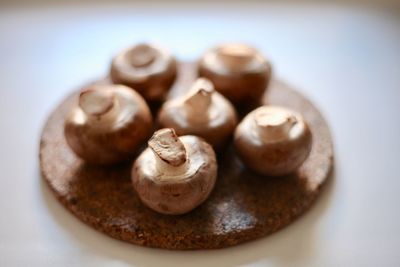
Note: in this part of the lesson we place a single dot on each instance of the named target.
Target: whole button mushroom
(149, 69)
(238, 71)
(273, 140)
(174, 174)
(203, 112)
(108, 125)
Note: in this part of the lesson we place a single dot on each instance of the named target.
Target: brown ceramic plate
(243, 206)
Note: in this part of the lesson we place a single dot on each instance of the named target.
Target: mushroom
(149, 69)
(108, 125)
(273, 140)
(174, 174)
(238, 71)
(203, 112)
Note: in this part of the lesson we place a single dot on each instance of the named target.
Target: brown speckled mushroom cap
(108, 124)
(273, 140)
(147, 68)
(202, 112)
(174, 174)
(238, 71)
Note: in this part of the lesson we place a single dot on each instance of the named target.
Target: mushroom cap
(238, 71)
(278, 151)
(113, 135)
(215, 122)
(176, 194)
(149, 69)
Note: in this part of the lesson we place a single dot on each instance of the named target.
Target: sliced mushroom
(108, 125)
(202, 112)
(273, 140)
(238, 71)
(149, 69)
(174, 174)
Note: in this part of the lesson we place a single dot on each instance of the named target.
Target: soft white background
(345, 57)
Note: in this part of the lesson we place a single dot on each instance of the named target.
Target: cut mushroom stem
(170, 153)
(199, 97)
(142, 55)
(96, 102)
(274, 125)
(236, 55)
(99, 105)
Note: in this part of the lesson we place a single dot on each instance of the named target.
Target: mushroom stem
(274, 125)
(170, 153)
(142, 55)
(236, 55)
(98, 104)
(199, 98)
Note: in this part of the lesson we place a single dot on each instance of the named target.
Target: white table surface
(346, 58)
